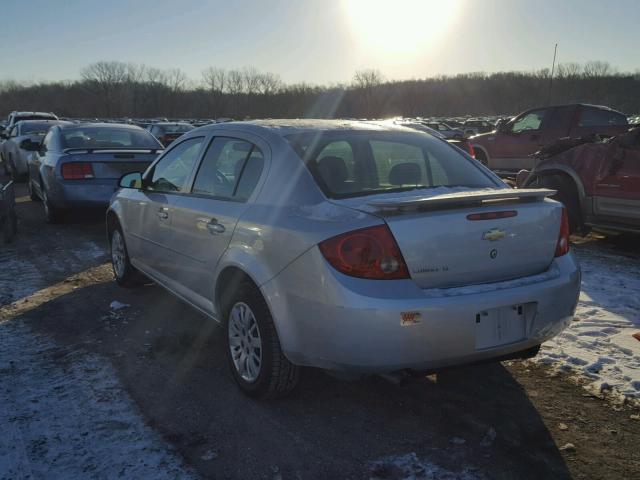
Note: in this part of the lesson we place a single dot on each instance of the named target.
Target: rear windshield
(20, 118)
(350, 164)
(107, 137)
(177, 128)
(35, 128)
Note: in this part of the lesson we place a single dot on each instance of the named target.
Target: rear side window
(230, 169)
(595, 117)
(172, 171)
(348, 164)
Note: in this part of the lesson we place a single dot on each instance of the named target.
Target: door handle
(163, 214)
(214, 227)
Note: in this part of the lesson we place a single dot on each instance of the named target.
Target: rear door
(204, 221)
(617, 184)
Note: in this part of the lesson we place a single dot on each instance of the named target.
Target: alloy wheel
(245, 342)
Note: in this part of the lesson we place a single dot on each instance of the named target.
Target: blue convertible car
(77, 166)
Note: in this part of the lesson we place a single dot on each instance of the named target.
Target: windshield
(108, 137)
(349, 164)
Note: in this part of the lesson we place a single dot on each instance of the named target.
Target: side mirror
(30, 146)
(131, 180)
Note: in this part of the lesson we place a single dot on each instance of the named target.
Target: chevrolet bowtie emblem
(494, 234)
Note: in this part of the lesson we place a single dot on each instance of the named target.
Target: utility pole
(553, 68)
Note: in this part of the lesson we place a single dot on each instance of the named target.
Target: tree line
(117, 89)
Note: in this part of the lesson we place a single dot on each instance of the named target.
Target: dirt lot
(508, 421)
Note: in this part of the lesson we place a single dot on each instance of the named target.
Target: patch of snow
(64, 415)
(599, 344)
(116, 305)
(410, 467)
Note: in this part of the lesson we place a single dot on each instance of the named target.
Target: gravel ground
(149, 386)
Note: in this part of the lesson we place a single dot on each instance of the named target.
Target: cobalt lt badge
(493, 253)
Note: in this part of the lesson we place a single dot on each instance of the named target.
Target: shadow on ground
(172, 362)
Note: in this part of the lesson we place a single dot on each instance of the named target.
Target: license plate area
(503, 325)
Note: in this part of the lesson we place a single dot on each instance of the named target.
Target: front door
(515, 144)
(167, 179)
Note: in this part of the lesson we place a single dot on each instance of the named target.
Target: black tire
(52, 214)
(481, 157)
(9, 227)
(32, 193)
(126, 275)
(5, 165)
(567, 194)
(277, 376)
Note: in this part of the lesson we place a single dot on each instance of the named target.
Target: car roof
(119, 126)
(284, 127)
(24, 114)
(43, 120)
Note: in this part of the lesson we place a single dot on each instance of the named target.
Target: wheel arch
(564, 171)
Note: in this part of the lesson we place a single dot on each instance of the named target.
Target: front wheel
(256, 360)
(124, 273)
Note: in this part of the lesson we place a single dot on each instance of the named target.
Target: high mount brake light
(366, 253)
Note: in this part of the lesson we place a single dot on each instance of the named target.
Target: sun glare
(400, 25)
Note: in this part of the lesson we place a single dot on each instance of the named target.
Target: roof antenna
(553, 68)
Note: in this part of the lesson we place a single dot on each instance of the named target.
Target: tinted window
(529, 121)
(107, 137)
(230, 168)
(595, 117)
(177, 128)
(171, 173)
(28, 128)
(376, 162)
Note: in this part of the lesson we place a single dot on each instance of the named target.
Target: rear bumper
(328, 320)
(95, 193)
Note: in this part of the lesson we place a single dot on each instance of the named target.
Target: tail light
(77, 171)
(472, 152)
(562, 246)
(366, 253)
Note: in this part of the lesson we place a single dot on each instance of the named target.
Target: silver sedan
(348, 246)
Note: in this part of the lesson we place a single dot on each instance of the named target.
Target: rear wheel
(32, 193)
(481, 157)
(567, 194)
(51, 213)
(5, 165)
(253, 349)
(9, 227)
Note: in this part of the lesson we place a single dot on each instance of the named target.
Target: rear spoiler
(469, 197)
(111, 150)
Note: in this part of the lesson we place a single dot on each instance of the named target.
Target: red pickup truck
(598, 182)
(509, 148)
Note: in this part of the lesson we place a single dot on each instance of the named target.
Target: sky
(314, 41)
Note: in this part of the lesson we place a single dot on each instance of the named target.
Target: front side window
(228, 168)
(172, 171)
(530, 121)
(595, 117)
(379, 162)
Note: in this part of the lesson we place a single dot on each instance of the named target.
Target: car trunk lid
(471, 236)
(112, 164)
